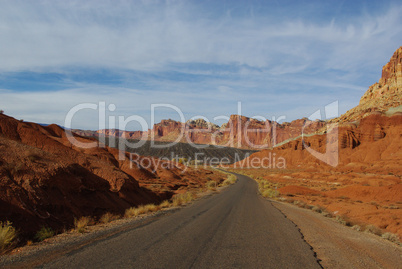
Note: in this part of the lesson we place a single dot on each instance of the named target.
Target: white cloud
(141, 36)
(274, 66)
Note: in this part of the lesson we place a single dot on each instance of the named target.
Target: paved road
(234, 229)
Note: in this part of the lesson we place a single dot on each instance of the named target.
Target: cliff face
(248, 133)
(240, 132)
(368, 135)
(383, 95)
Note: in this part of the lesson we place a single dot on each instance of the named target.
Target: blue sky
(278, 58)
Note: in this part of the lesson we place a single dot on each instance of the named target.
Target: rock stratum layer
(249, 133)
(383, 96)
(354, 171)
(240, 132)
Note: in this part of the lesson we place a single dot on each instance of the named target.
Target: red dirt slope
(46, 181)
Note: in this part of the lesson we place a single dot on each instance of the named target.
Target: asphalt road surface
(234, 229)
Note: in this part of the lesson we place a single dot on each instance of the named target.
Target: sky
(276, 59)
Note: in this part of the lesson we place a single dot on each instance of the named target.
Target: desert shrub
(151, 208)
(108, 217)
(44, 233)
(130, 212)
(343, 220)
(267, 189)
(82, 223)
(231, 179)
(373, 229)
(7, 235)
(211, 184)
(391, 237)
(135, 211)
(357, 227)
(270, 193)
(165, 204)
(1, 111)
(317, 209)
(142, 209)
(183, 198)
(326, 214)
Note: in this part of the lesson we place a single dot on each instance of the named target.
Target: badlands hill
(47, 181)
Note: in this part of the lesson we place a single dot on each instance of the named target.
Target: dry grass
(267, 189)
(344, 220)
(165, 204)
(152, 208)
(373, 230)
(130, 212)
(391, 237)
(82, 223)
(108, 217)
(135, 211)
(211, 185)
(183, 198)
(7, 236)
(141, 210)
(230, 180)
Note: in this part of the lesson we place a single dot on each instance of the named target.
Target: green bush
(44, 233)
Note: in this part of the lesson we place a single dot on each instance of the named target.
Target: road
(234, 229)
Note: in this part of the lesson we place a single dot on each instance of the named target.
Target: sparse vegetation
(140, 210)
(183, 198)
(211, 185)
(44, 233)
(317, 209)
(135, 211)
(391, 237)
(357, 227)
(165, 204)
(8, 235)
(108, 217)
(1, 111)
(343, 220)
(152, 208)
(82, 223)
(373, 230)
(231, 179)
(267, 189)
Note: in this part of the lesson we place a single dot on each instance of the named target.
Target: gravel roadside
(338, 246)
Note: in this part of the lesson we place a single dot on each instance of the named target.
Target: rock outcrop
(45, 180)
(383, 96)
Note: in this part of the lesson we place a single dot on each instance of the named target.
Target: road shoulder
(338, 246)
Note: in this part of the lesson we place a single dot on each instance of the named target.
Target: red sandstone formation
(47, 181)
(365, 186)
